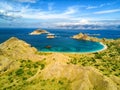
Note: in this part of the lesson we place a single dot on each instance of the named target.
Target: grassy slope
(108, 61)
(50, 73)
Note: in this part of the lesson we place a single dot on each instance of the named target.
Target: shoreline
(104, 48)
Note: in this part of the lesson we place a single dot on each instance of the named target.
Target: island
(50, 35)
(23, 67)
(38, 32)
(82, 36)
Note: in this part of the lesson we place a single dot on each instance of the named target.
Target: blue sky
(53, 13)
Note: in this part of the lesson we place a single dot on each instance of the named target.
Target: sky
(57, 13)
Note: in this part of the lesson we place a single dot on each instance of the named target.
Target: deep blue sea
(62, 43)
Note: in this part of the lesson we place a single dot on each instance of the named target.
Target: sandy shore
(105, 47)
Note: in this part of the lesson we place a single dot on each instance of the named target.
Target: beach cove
(79, 43)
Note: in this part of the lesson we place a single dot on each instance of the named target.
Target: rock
(50, 36)
(48, 47)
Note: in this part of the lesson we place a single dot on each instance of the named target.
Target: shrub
(29, 73)
(42, 66)
(19, 72)
(60, 82)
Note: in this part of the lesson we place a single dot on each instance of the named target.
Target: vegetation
(17, 79)
(108, 61)
(51, 71)
(18, 76)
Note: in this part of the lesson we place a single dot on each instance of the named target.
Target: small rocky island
(38, 32)
(50, 35)
(84, 37)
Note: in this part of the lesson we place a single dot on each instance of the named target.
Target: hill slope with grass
(22, 67)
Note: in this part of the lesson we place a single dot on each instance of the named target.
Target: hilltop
(18, 49)
(22, 67)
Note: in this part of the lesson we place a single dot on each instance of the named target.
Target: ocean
(63, 42)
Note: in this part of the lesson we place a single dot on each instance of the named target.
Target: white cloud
(101, 5)
(9, 11)
(92, 25)
(84, 21)
(44, 15)
(106, 4)
(5, 6)
(71, 10)
(91, 7)
(19, 10)
(30, 1)
(79, 22)
(107, 11)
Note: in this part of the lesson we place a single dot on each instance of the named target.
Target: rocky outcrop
(84, 37)
(50, 35)
(38, 32)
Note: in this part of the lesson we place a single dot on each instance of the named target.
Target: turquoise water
(62, 43)
(69, 45)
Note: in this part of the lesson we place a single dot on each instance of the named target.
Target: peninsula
(82, 36)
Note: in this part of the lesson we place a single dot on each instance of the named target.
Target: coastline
(104, 48)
